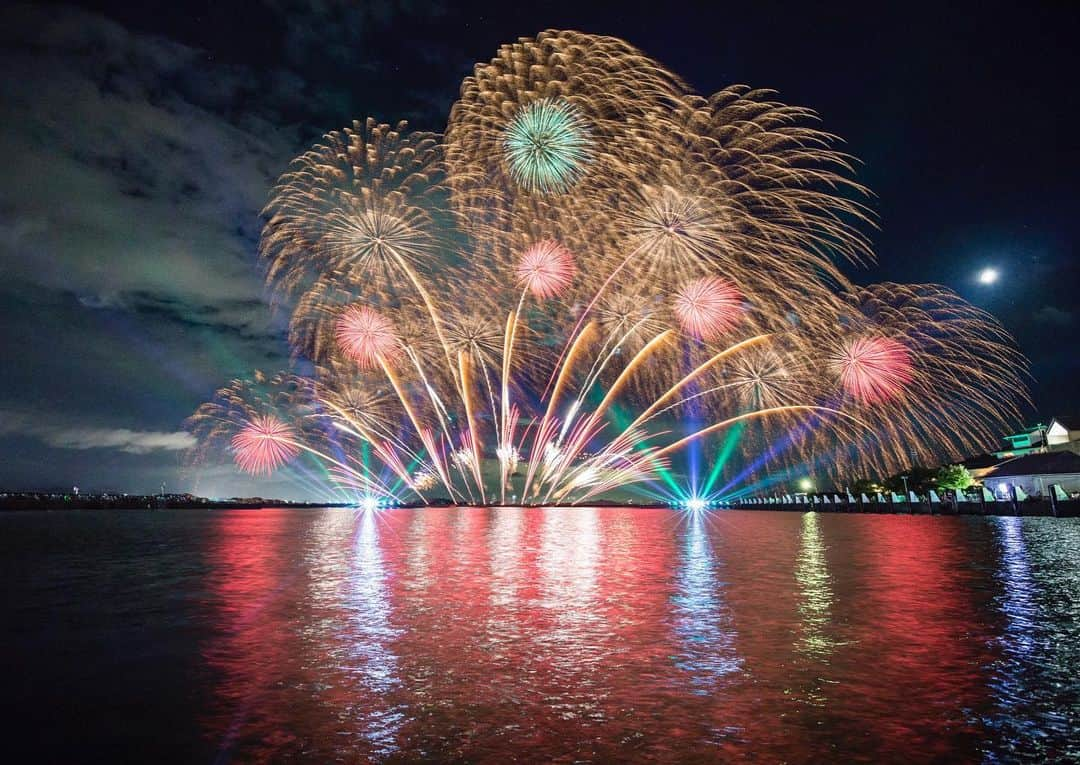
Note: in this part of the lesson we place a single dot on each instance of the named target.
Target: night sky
(139, 144)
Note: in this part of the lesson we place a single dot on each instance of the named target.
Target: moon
(988, 275)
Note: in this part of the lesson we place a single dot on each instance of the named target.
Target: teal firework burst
(547, 145)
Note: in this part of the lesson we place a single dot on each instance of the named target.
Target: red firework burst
(264, 445)
(546, 269)
(365, 335)
(709, 306)
(874, 369)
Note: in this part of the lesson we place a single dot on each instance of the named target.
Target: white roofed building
(1059, 435)
(1034, 474)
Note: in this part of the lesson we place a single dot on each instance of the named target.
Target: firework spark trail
(543, 442)
(369, 432)
(507, 454)
(352, 473)
(506, 424)
(424, 434)
(267, 443)
(585, 313)
(545, 269)
(738, 418)
(350, 480)
(470, 438)
(694, 375)
(605, 355)
(436, 402)
(630, 368)
(591, 262)
(384, 450)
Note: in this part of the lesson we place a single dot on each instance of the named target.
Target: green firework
(547, 145)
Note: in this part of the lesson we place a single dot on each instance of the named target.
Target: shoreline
(1026, 509)
(29, 502)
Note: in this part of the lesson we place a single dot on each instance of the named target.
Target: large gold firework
(594, 273)
(352, 211)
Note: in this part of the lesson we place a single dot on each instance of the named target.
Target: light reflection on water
(815, 590)
(703, 623)
(370, 638)
(548, 634)
(1040, 583)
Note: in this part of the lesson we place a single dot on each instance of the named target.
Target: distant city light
(988, 276)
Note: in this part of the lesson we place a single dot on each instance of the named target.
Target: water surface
(540, 635)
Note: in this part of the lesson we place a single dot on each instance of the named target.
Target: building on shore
(1034, 474)
(1032, 460)
(1060, 434)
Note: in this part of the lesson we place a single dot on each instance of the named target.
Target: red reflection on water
(304, 649)
(528, 627)
(556, 634)
(247, 559)
(919, 628)
(763, 708)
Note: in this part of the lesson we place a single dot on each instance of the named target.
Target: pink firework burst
(874, 369)
(263, 445)
(365, 335)
(709, 306)
(546, 269)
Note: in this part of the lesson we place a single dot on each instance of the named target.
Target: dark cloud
(127, 183)
(1054, 316)
(136, 166)
(64, 435)
(127, 244)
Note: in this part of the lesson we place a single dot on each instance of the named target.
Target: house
(1058, 435)
(1063, 434)
(1034, 474)
(1025, 442)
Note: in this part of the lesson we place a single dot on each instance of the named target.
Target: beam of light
(731, 441)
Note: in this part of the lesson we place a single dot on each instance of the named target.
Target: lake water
(540, 635)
